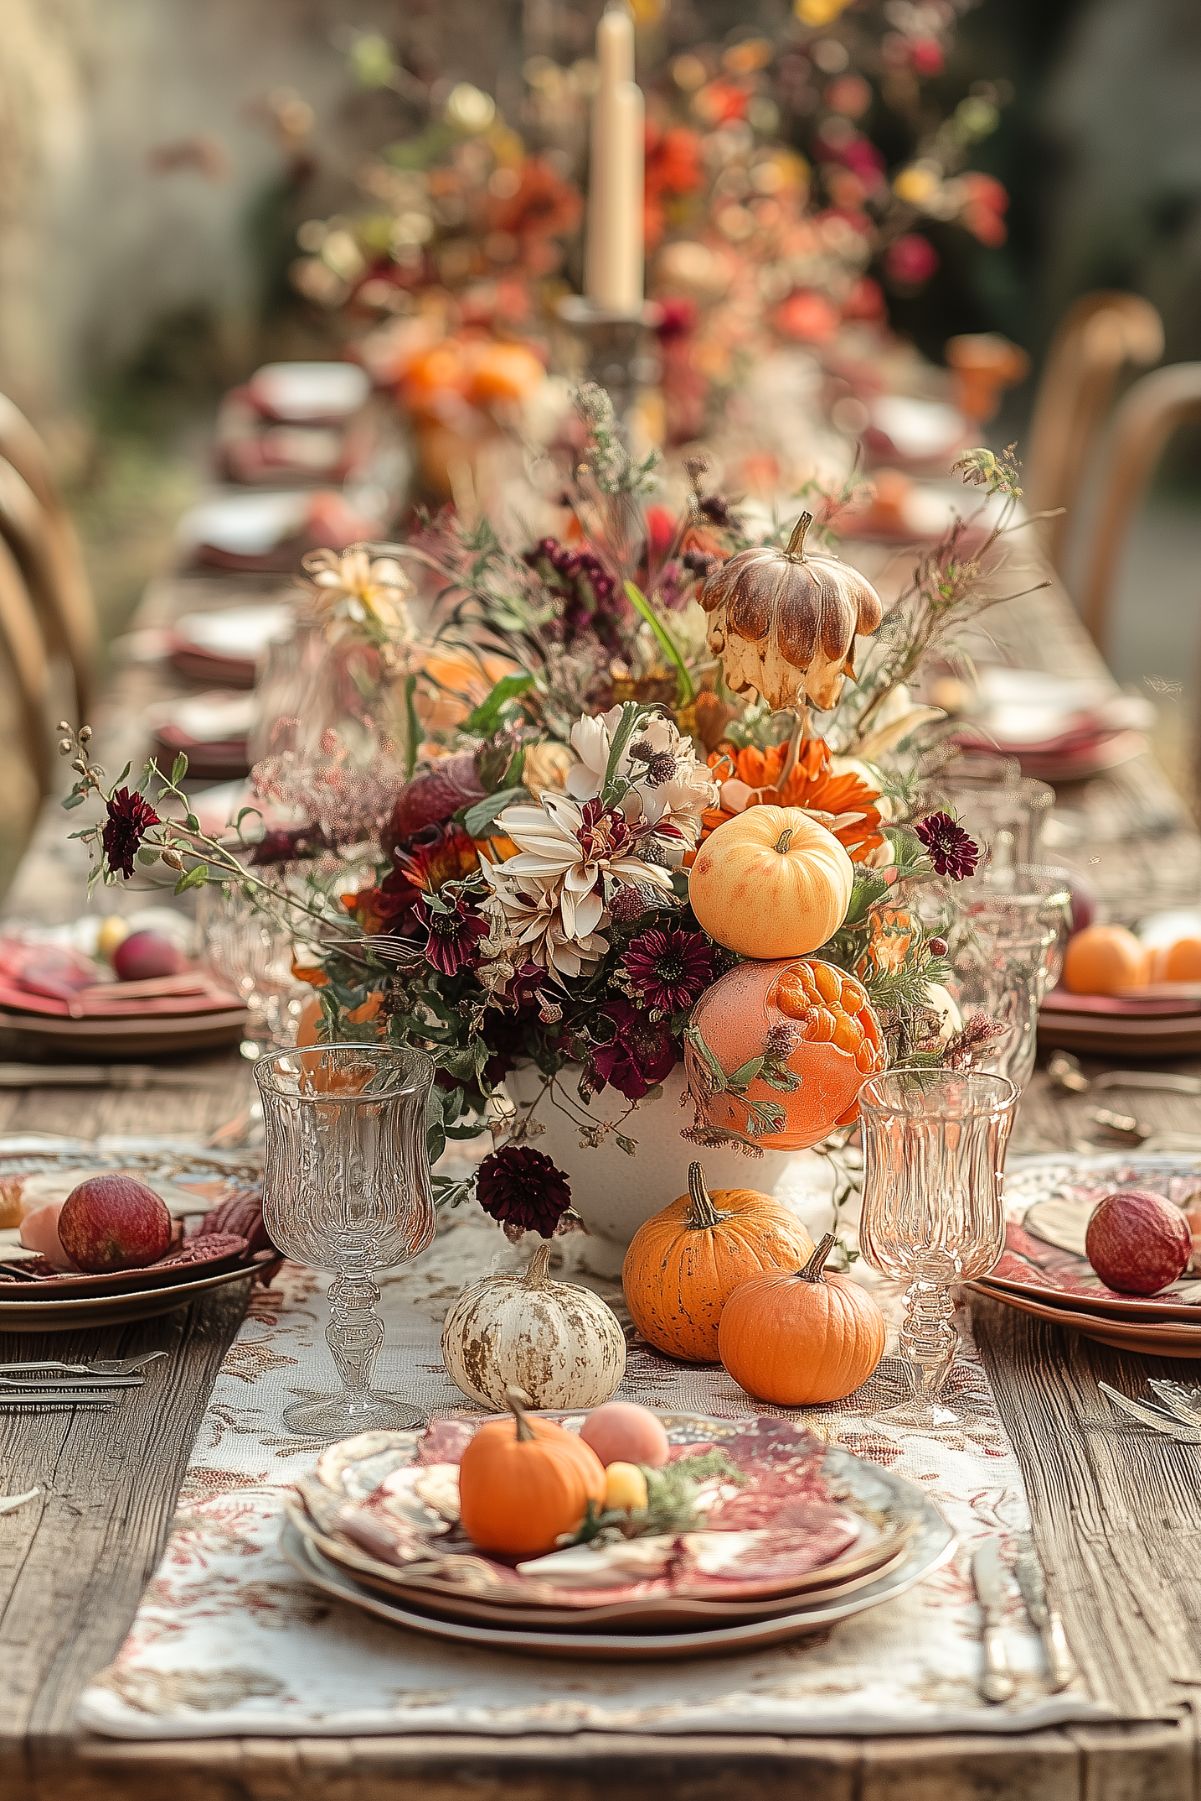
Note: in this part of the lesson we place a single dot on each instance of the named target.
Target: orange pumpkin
(683, 1264)
(771, 882)
(524, 1483)
(503, 372)
(821, 1027)
(799, 1337)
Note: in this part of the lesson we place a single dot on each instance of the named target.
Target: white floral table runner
(229, 1640)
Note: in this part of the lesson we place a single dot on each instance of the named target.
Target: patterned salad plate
(191, 1181)
(813, 1535)
(1044, 1272)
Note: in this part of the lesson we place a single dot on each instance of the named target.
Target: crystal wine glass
(933, 1215)
(347, 1188)
(252, 952)
(1007, 951)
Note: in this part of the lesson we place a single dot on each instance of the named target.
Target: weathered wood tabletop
(1117, 1514)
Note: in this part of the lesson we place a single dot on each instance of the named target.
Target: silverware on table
(996, 1682)
(68, 1384)
(100, 1366)
(43, 1398)
(1170, 1424)
(1061, 1665)
(1179, 1398)
(1065, 1072)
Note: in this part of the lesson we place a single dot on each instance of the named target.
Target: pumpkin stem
(796, 544)
(701, 1211)
(812, 1271)
(537, 1273)
(784, 840)
(517, 1401)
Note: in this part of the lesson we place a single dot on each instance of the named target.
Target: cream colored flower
(527, 926)
(668, 788)
(367, 590)
(574, 848)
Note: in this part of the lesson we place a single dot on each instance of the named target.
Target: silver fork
(1180, 1399)
(100, 1366)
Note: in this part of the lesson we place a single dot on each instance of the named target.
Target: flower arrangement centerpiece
(649, 871)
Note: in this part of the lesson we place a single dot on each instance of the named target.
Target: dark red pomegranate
(1137, 1242)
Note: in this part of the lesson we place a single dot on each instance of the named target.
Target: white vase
(614, 1192)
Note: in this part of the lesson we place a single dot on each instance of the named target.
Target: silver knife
(67, 1384)
(1151, 1416)
(56, 1397)
(989, 1575)
(1061, 1665)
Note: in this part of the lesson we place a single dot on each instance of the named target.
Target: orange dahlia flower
(845, 803)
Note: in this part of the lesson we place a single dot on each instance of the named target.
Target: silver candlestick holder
(615, 350)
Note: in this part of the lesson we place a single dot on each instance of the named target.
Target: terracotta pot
(614, 1192)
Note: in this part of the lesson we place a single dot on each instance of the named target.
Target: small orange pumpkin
(771, 882)
(799, 1337)
(820, 1025)
(524, 1483)
(683, 1263)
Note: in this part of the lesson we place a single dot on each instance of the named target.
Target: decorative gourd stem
(812, 1271)
(702, 1214)
(796, 543)
(784, 840)
(538, 1273)
(517, 1401)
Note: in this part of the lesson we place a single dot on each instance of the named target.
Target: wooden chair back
(23, 652)
(1099, 337)
(1156, 406)
(46, 550)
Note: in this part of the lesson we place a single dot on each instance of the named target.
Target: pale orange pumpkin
(796, 1338)
(771, 882)
(524, 1483)
(822, 1028)
(683, 1263)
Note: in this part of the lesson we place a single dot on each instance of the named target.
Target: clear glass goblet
(1006, 811)
(933, 1213)
(252, 952)
(1006, 951)
(346, 1188)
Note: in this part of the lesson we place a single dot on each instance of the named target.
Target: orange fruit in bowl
(1179, 961)
(1104, 959)
(820, 1025)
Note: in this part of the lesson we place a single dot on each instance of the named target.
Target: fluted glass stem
(355, 1333)
(928, 1336)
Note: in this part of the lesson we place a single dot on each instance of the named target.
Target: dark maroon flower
(588, 599)
(639, 1054)
(455, 931)
(288, 845)
(668, 969)
(130, 817)
(522, 1189)
(952, 851)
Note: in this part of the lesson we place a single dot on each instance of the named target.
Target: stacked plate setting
(1045, 1273)
(360, 1528)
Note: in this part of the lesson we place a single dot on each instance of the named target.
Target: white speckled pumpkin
(559, 1342)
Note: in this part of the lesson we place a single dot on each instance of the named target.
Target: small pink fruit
(144, 956)
(623, 1432)
(113, 1222)
(39, 1232)
(1137, 1242)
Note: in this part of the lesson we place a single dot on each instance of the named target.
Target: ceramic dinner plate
(930, 1548)
(166, 1035)
(1049, 1200)
(192, 1180)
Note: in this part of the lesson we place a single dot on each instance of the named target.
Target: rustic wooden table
(1117, 1515)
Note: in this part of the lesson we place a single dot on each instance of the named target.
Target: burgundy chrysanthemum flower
(130, 817)
(952, 851)
(455, 930)
(640, 1054)
(668, 969)
(523, 1189)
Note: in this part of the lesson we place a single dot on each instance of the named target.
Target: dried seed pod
(784, 624)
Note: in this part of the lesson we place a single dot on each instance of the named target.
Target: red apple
(114, 1222)
(1138, 1243)
(144, 956)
